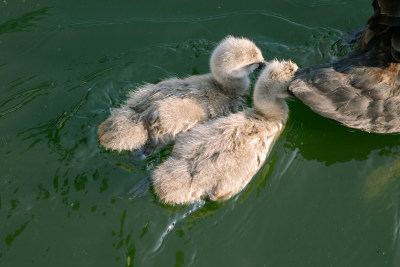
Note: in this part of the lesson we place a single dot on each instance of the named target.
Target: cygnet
(155, 113)
(217, 159)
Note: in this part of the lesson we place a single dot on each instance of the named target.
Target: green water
(327, 196)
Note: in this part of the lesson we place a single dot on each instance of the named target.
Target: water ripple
(184, 19)
(24, 22)
(328, 3)
(51, 130)
(178, 217)
(19, 99)
(263, 13)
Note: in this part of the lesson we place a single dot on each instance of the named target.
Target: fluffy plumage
(155, 113)
(217, 159)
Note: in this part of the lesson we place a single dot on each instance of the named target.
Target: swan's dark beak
(261, 66)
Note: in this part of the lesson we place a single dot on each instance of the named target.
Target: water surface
(327, 196)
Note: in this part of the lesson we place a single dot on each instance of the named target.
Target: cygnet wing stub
(222, 156)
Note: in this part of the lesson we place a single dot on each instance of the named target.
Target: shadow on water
(24, 22)
(324, 140)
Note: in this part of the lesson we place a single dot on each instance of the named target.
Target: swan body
(361, 90)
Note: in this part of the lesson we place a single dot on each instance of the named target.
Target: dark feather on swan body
(361, 90)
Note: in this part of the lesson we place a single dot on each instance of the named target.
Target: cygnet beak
(261, 65)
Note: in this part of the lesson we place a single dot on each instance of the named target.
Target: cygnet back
(155, 113)
(217, 159)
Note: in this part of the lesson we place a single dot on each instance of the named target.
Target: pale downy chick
(155, 113)
(217, 159)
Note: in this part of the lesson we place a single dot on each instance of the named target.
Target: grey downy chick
(155, 113)
(217, 159)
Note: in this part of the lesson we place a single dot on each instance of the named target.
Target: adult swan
(361, 90)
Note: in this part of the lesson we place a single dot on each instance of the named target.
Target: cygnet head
(233, 60)
(271, 86)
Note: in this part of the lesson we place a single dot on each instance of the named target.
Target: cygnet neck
(268, 102)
